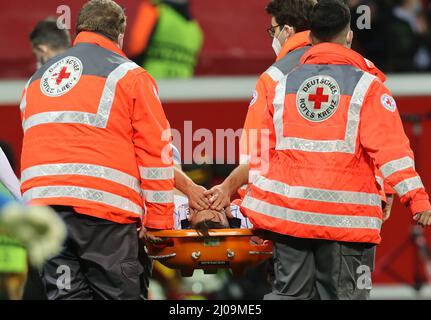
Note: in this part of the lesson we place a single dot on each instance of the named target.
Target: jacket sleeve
(249, 142)
(23, 103)
(254, 139)
(382, 136)
(152, 140)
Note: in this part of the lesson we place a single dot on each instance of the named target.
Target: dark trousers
(34, 288)
(320, 269)
(99, 260)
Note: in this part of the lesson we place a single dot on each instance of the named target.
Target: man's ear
(121, 40)
(191, 212)
(313, 39)
(349, 39)
(288, 31)
(42, 48)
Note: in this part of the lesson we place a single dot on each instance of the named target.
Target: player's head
(330, 22)
(204, 220)
(105, 17)
(287, 18)
(47, 40)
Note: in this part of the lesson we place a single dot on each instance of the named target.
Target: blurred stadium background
(235, 51)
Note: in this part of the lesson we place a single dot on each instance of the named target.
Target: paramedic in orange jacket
(330, 122)
(290, 32)
(97, 149)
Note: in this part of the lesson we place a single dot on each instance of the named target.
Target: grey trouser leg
(343, 270)
(294, 268)
(320, 269)
(100, 258)
(145, 276)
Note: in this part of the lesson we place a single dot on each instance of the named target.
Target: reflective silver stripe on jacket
(380, 182)
(82, 169)
(311, 218)
(158, 196)
(345, 146)
(396, 165)
(314, 194)
(408, 185)
(59, 117)
(274, 73)
(23, 103)
(82, 193)
(100, 119)
(157, 173)
(253, 175)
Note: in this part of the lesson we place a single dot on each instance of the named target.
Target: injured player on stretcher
(187, 218)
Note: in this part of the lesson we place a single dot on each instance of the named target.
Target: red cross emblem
(318, 98)
(389, 101)
(63, 74)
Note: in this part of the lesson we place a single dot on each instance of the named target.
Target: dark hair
(328, 19)
(103, 16)
(202, 227)
(47, 33)
(295, 13)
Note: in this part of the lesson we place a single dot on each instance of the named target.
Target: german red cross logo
(388, 102)
(318, 98)
(62, 75)
(59, 78)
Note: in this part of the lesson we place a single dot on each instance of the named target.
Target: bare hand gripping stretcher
(186, 250)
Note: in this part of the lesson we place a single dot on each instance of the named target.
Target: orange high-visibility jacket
(250, 143)
(96, 137)
(330, 124)
(287, 60)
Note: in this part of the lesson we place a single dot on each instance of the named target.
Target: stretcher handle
(213, 232)
(253, 253)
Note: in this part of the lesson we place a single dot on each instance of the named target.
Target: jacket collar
(298, 40)
(98, 39)
(332, 53)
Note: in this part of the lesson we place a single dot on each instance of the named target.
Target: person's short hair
(328, 19)
(203, 226)
(102, 16)
(46, 32)
(295, 13)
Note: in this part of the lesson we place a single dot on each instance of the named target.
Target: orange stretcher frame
(186, 250)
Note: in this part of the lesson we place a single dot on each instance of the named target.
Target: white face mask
(279, 41)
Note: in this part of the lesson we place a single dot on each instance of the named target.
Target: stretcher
(186, 250)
